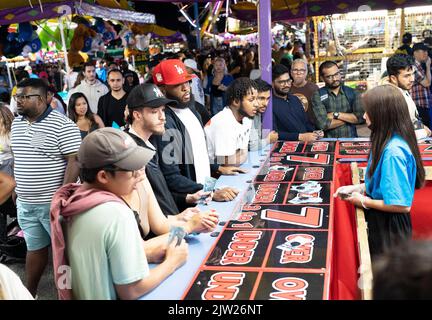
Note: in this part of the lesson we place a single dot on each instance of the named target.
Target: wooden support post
(402, 26)
(387, 32)
(316, 48)
(365, 269)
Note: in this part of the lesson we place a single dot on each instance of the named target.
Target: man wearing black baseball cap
(146, 108)
(420, 90)
(99, 234)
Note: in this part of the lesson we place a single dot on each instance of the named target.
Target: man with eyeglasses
(111, 106)
(182, 149)
(289, 117)
(44, 144)
(337, 108)
(300, 84)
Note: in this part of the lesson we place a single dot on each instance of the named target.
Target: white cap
(28, 68)
(190, 63)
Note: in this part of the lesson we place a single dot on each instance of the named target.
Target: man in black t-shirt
(111, 106)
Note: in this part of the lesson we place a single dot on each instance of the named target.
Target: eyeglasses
(135, 173)
(299, 70)
(288, 81)
(25, 97)
(333, 76)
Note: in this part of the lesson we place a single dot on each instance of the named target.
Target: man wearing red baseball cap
(186, 164)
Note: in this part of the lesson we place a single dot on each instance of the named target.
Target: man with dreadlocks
(228, 132)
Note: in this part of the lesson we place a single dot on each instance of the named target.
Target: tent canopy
(295, 9)
(21, 11)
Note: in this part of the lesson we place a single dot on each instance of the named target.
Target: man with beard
(289, 117)
(337, 108)
(229, 130)
(44, 144)
(256, 142)
(91, 87)
(111, 106)
(182, 149)
(401, 74)
(146, 117)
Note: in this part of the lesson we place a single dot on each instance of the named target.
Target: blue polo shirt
(394, 178)
(290, 118)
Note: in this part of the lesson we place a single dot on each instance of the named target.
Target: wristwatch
(335, 115)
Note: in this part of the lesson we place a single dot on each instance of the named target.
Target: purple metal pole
(265, 45)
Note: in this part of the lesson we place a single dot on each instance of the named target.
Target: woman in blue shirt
(394, 170)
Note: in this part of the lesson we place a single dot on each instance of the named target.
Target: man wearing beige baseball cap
(101, 255)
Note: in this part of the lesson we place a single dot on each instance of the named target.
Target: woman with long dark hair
(394, 170)
(80, 113)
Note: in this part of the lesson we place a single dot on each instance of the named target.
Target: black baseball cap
(420, 46)
(147, 95)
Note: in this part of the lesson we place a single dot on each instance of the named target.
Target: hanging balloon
(25, 31)
(87, 44)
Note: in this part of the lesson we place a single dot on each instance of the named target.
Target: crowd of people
(105, 179)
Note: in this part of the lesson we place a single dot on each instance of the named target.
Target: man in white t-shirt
(228, 132)
(401, 74)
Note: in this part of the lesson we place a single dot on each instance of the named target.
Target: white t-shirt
(199, 148)
(225, 135)
(11, 287)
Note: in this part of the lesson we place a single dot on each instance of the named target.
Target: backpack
(14, 249)
(350, 95)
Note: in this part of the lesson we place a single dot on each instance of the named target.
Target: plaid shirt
(420, 94)
(336, 103)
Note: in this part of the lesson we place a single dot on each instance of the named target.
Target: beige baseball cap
(109, 146)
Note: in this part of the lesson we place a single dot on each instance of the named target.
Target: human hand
(345, 191)
(203, 222)
(428, 61)
(308, 136)
(273, 137)
(358, 199)
(225, 194)
(155, 248)
(187, 214)
(199, 196)
(231, 170)
(177, 255)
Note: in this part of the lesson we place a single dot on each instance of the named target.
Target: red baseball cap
(170, 72)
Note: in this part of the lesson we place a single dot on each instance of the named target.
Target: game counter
(284, 236)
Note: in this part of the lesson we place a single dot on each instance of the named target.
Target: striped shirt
(39, 150)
